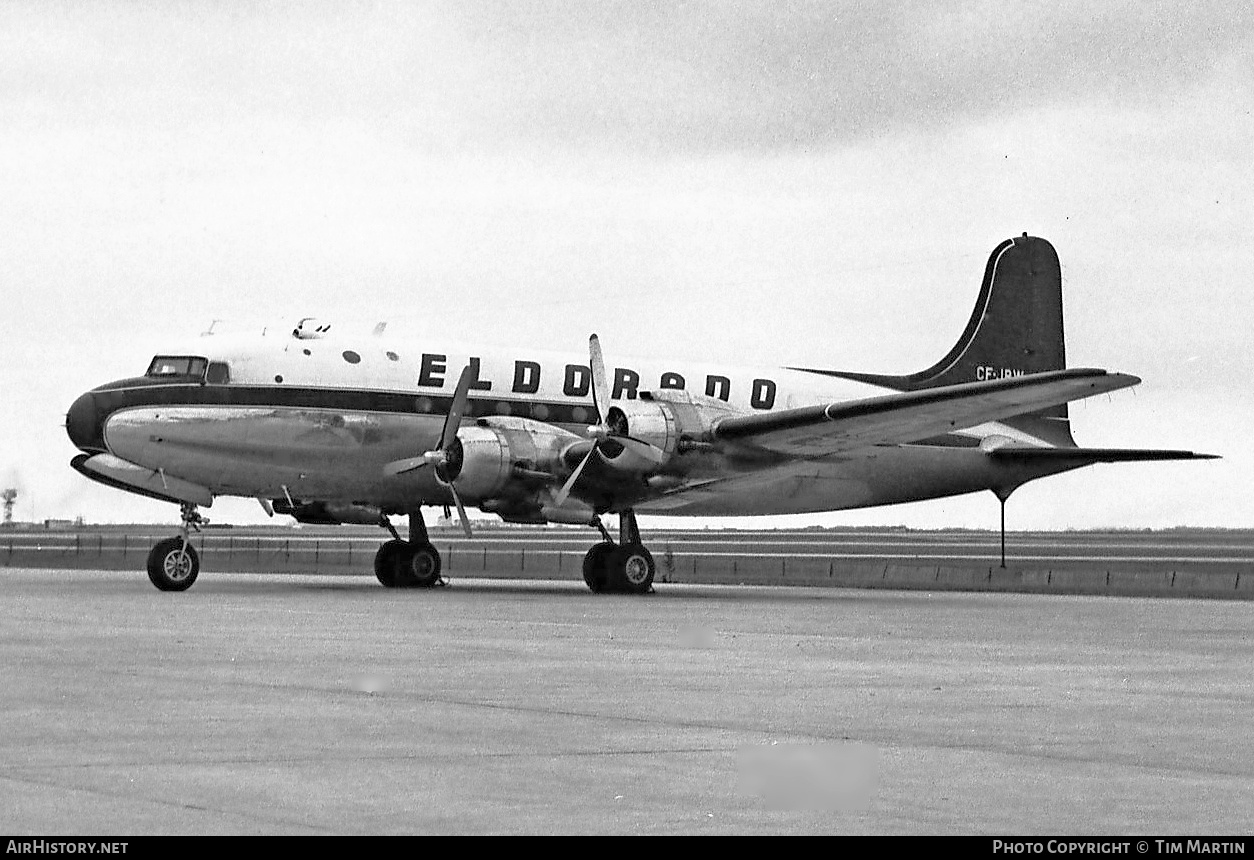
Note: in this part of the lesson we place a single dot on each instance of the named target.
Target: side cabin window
(219, 373)
(177, 366)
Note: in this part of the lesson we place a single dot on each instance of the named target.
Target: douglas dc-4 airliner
(329, 429)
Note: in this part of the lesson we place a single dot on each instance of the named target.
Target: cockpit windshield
(177, 365)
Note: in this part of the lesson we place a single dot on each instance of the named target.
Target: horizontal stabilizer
(1085, 456)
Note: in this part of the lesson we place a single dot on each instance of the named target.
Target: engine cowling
(493, 457)
(669, 420)
(655, 423)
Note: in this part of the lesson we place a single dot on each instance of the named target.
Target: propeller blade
(640, 448)
(461, 511)
(400, 467)
(448, 433)
(597, 365)
(460, 398)
(574, 476)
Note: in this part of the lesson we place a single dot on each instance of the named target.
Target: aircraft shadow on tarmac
(246, 584)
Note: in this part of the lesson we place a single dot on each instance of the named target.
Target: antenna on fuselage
(309, 328)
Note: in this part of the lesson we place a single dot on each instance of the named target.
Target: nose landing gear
(173, 563)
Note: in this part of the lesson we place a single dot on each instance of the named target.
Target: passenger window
(219, 373)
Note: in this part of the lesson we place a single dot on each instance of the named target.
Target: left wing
(817, 431)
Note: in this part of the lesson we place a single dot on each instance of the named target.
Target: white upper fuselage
(516, 378)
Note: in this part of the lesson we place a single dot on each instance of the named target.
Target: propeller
(449, 452)
(603, 432)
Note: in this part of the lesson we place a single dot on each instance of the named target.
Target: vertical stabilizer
(1015, 329)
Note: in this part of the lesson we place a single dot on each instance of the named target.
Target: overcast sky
(784, 183)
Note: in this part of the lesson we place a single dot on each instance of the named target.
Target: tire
(173, 565)
(422, 566)
(399, 564)
(631, 569)
(387, 563)
(596, 567)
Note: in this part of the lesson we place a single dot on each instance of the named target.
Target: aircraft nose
(82, 423)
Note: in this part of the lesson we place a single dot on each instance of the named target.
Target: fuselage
(318, 418)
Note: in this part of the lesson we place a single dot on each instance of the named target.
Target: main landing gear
(173, 564)
(625, 567)
(414, 563)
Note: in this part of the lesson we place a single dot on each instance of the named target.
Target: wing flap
(813, 431)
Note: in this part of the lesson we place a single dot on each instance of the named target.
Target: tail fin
(1015, 329)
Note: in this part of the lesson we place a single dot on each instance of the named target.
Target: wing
(817, 431)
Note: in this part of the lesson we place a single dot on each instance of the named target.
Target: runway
(299, 704)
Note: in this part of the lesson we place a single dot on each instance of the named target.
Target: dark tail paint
(1015, 329)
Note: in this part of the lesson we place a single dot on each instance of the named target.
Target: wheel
(399, 564)
(595, 572)
(387, 562)
(631, 569)
(422, 566)
(173, 565)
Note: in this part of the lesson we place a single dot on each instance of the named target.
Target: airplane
(356, 429)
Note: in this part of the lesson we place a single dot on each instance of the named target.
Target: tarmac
(326, 704)
(1217, 564)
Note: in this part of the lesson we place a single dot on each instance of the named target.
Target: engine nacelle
(668, 419)
(497, 453)
(655, 423)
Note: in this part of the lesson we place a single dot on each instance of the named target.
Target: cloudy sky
(784, 183)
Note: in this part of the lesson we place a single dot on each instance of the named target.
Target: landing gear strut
(173, 564)
(625, 567)
(414, 563)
